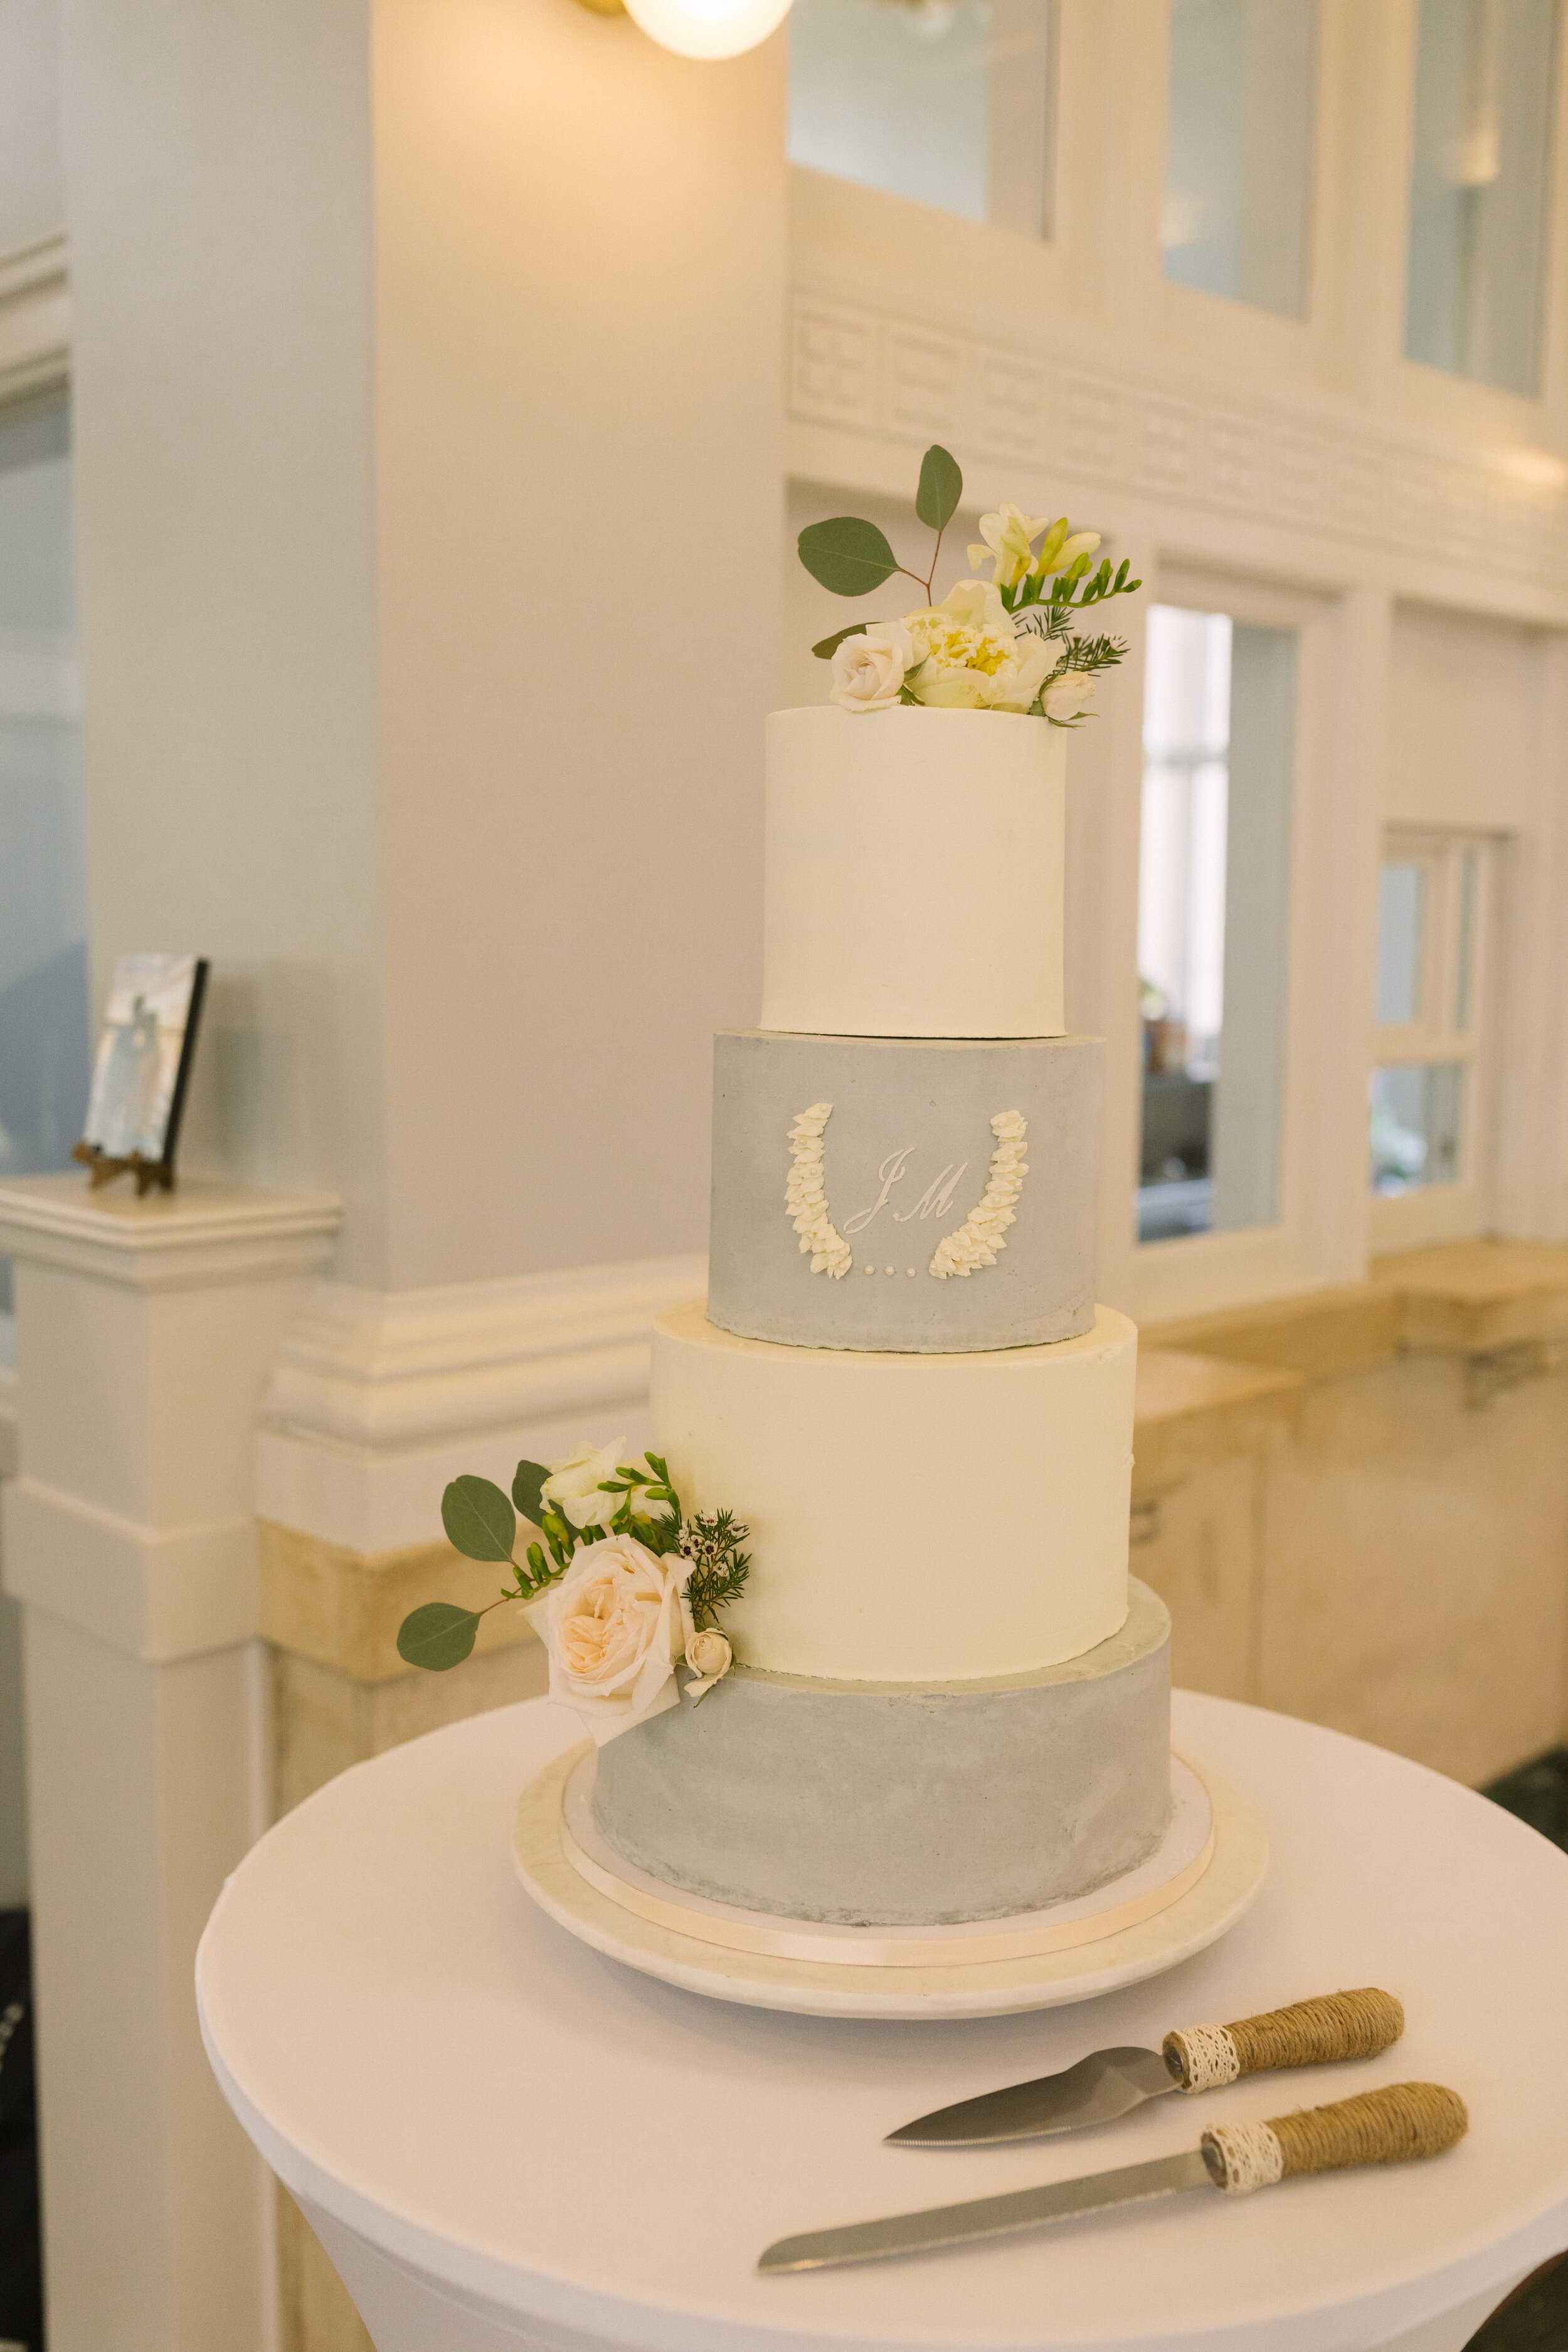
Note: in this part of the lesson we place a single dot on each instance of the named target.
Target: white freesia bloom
(710, 1657)
(1008, 535)
(614, 1627)
(1082, 542)
(1070, 694)
(573, 1485)
(869, 669)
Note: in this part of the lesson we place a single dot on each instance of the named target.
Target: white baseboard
(378, 1399)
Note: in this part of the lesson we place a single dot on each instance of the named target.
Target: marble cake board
(1230, 1860)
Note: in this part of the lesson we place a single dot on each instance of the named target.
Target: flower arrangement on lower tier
(1003, 644)
(624, 1587)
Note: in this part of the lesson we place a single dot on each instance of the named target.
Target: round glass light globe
(708, 28)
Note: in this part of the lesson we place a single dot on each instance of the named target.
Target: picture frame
(142, 1069)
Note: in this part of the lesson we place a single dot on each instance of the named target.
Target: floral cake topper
(1008, 643)
(631, 1585)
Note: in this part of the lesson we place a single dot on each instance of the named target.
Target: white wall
(429, 482)
(32, 182)
(580, 296)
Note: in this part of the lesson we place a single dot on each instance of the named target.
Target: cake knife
(1109, 2083)
(1386, 2127)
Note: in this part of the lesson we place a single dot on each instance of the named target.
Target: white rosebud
(709, 1658)
(869, 669)
(1068, 694)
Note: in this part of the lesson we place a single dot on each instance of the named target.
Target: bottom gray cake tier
(885, 1804)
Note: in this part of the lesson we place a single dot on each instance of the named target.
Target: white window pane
(1212, 920)
(1480, 182)
(1401, 905)
(44, 1029)
(1413, 1128)
(1238, 142)
(951, 102)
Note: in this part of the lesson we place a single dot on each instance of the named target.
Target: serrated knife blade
(990, 2217)
(1105, 2085)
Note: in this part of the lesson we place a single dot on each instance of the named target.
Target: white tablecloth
(504, 2138)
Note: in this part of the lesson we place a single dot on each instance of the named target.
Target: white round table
(504, 2138)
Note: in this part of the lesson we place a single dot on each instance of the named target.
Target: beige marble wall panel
(344, 1608)
(315, 2312)
(1416, 1589)
(324, 1721)
(1478, 1297)
(1199, 1545)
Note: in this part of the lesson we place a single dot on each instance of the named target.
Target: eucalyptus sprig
(851, 556)
(482, 1522)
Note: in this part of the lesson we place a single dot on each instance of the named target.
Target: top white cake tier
(913, 873)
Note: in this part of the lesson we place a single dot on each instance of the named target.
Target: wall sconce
(699, 29)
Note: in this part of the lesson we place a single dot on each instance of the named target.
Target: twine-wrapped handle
(1387, 2127)
(1309, 2033)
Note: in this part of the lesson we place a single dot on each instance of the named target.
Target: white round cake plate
(1215, 1871)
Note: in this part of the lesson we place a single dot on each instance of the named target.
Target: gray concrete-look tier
(906, 1160)
(887, 1804)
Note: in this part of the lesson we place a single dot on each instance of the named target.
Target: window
(1214, 920)
(1239, 150)
(1426, 1107)
(1479, 188)
(951, 102)
(44, 1029)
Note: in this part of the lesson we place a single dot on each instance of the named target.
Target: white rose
(1068, 694)
(710, 1657)
(613, 1627)
(573, 1485)
(869, 669)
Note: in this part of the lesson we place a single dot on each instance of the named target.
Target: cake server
(1109, 2083)
(1406, 2119)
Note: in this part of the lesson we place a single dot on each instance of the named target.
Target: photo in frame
(142, 1069)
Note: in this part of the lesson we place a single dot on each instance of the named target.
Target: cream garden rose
(614, 1627)
(869, 669)
(971, 655)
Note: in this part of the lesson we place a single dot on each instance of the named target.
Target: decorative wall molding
(158, 1593)
(376, 1400)
(1306, 459)
(202, 1233)
(35, 318)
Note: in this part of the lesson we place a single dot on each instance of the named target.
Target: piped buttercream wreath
(969, 1247)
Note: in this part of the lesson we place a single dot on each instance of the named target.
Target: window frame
(1441, 1213)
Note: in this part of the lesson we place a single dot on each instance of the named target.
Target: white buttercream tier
(912, 874)
(921, 1519)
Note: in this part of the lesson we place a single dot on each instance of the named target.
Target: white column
(145, 1335)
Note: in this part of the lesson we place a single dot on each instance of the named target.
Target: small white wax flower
(869, 669)
(710, 1657)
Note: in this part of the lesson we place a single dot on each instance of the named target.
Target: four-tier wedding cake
(947, 1701)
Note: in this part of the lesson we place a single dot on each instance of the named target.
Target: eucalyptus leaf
(828, 647)
(438, 1635)
(479, 1520)
(527, 1490)
(847, 556)
(942, 487)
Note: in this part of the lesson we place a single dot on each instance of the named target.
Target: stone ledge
(1464, 1298)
